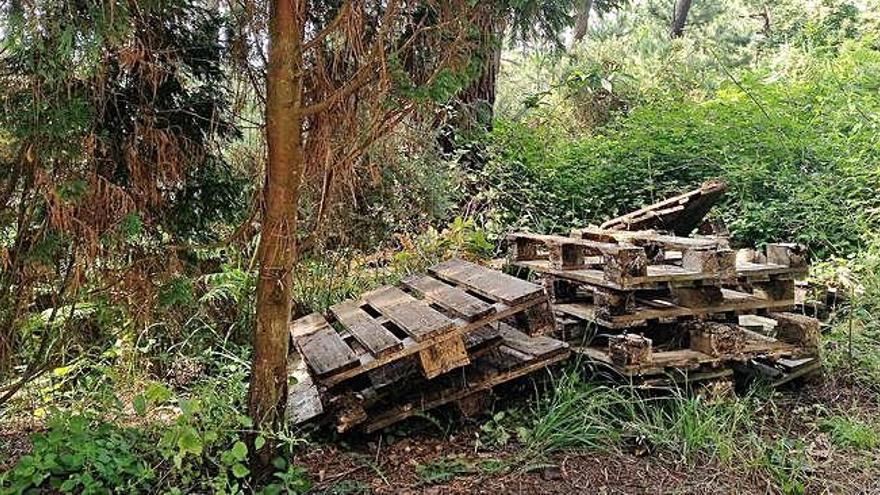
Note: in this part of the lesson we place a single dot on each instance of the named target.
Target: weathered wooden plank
(648, 238)
(488, 283)
(323, 348)
(411, 346)
(538, 346)
(307, 324)
(303, 400)
(680, 214)
(377, 339)
(658, 276)
(443, 357)
(414, 317)
(657, 308)
(452, 299)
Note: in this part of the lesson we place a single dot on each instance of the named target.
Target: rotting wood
(413, 316)
(368, 331)
(629, 350)
(799, 330)
(659, 308)
(494, 371)
(442, 357)
(326, 352)
(716, 339)
(303, 399)
(488, 283)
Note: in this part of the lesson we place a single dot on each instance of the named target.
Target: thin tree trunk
(277, 251)
(582, 21)
(679, 18)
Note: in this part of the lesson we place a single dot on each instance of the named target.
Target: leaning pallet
(398, 346)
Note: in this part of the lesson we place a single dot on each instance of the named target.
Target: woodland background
(132, 160)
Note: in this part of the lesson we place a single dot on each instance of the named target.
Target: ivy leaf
(190, 442)
(157, 393)
(239, 450)
(239, 471)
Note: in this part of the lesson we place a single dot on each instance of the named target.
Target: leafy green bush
(182, 445)
(79, 454)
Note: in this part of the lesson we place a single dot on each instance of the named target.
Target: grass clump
(850, 432)
(578, 415)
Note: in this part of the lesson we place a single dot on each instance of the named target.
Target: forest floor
(796, 452)
(429, 462)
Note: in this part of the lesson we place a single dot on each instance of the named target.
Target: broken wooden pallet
(426, 316)
(680, 214)
(517, 355)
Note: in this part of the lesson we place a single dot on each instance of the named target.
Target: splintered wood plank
(488, 283)
(414, 317)
(537, 346)
(303, 400)
(443, 357)
(377, 339)
(323, 348)
(452, 299)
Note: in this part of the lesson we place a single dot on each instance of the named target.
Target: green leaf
(140, 404)
(259, 442)
(157, 393)
(239, 450)
(190, 442)
(239, 471)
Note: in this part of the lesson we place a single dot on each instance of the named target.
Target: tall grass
(576, 415)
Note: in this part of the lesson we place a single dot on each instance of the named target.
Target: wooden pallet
(517, 355)
(659, 276)
(663, 362)
(680, 214)
(426, 316)
(665, 310)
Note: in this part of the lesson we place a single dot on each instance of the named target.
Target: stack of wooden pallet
(655, 303)
(445, 337)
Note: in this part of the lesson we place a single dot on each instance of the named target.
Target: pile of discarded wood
(636, 295)
(446, 337)
(659, 306)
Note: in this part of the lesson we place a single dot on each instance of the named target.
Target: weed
(444, 469)
(849, 432)
(785, 460)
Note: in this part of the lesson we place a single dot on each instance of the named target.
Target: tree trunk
(277, 251)
(478, 99)
(476, 102)
(582, 21)
(679, 18)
